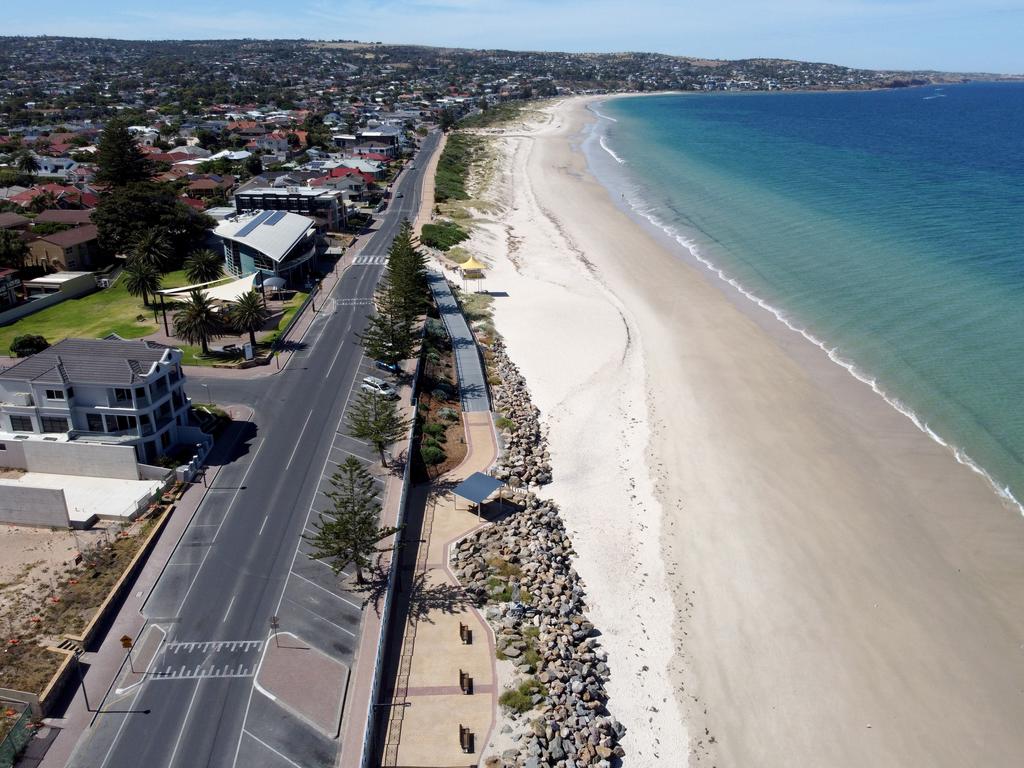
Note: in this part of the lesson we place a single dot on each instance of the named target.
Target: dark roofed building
(75, 218)
(69, 250)
(112, 391)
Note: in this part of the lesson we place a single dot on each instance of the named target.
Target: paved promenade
(427, 703)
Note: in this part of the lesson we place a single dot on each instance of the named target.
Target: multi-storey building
(275, 243)
(326, 205)
(98, 391)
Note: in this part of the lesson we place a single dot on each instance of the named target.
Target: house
(275, 143)
(107, 391)
(69, 285)
(210, 185)
(55, 166)
(63, 196)
(14, 221)
(72, 217)
(70, 249)
(309, 201)
(276, 243)
(10, 288)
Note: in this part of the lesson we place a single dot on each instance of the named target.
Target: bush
(443, 236)
(520, 698)
(449, 413)
(453, 167)
(28, 344)
(436, 431)
(432, 454)
(503, 423)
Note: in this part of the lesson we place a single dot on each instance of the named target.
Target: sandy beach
(786, 571)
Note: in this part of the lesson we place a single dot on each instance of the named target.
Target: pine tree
(119, 158)
(376, 419)
(348, 534)
(389, 335)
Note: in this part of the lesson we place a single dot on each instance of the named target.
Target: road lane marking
(261, 741)
(341, 346)
(184, 724)
(329, 592)
(263, 525)
(348, 632)
(297, 442)
(229, 611)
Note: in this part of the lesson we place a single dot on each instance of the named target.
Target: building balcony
(125, 437)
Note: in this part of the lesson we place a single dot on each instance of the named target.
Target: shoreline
(750, 300)
(841, 592)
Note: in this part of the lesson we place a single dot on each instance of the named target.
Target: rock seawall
(521, 569)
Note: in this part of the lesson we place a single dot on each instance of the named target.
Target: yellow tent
(471, 264)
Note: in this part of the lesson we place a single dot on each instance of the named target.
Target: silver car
(379, 387)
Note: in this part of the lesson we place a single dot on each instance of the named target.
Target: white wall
(78, 458)
(33, 506)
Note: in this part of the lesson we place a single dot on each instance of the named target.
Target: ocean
(886, 226)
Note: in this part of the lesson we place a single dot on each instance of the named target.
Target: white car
(379, 387)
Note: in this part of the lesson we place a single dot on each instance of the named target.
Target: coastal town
(285, 342)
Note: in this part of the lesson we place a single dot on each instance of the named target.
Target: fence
(369, 736)
(16, 739)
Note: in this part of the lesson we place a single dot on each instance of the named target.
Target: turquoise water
(887, 226)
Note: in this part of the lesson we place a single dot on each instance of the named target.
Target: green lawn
(112, 310)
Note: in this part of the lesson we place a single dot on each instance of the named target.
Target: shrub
(28, 344)
(443, 236)
(503, 423)
(453, 167)
(436, 431)
(449, 413)
(432, 454)
(520, 698)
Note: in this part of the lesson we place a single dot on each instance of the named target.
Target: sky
(951, 35)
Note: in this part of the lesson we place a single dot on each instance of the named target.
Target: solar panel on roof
(248, 228)
(276, 217)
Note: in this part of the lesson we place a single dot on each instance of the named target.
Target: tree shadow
(427, 598)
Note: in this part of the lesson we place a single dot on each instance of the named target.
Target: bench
(466, 739)
(465, 683)
(465, 634)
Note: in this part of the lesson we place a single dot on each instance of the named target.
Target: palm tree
(203, 266)
(28, 165)
(152, 246)
(141, 278)
(197, 322)
(249, 314)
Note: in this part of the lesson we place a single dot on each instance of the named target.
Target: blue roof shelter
(477, 488)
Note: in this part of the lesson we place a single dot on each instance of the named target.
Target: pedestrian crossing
(366, 260)
(216, 659)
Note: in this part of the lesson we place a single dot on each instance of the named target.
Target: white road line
(350, 453)
(329, 592)
(322, 618)
(297, 442)
(336, 354)
(177, 742)
(248, 704)
(261, 741)
(231, 603)
(263, 524)
(231, 505)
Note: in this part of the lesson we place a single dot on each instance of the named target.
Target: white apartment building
(110, 391)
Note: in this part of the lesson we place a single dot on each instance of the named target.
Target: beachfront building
(275, 243)
(327, 206)
(98, 391)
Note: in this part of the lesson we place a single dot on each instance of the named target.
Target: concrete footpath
(430, 695)
(103, 666)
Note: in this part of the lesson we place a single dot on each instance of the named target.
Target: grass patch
(460, 151)
(520, 698)
(111, 310)
(443, 235)
(492, 116)
(504, 423)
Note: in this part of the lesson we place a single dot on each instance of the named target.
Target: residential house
(71, 216)
(10, 288)
(108, 391)
(276, 243)
(71, 249)
(210, 185)
(63, 196)
(14, 221)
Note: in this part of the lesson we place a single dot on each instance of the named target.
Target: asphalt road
(242, 560)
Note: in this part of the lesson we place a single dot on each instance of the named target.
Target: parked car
(389, 367)
(379, 387)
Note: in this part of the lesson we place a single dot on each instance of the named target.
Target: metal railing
(16, 739)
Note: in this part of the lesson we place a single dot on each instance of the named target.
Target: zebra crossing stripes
(185, 660)
(365, 260)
